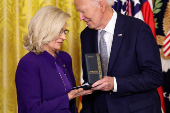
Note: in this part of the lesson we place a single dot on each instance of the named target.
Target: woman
(44, 76)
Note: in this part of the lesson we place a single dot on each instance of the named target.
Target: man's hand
(105, 84)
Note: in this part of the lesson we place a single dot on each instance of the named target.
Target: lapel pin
(119, 34)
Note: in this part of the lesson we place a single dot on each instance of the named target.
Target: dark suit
(40, 88)
(134, 61)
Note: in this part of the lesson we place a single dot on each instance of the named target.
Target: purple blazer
(40, 87)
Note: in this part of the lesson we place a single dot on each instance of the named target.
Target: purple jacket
(40, 87)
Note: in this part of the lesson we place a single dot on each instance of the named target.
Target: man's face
(90, 12)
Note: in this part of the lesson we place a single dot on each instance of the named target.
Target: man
(133, 66)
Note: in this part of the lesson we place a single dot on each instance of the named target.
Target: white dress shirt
(108, 36)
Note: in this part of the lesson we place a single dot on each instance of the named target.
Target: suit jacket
(39, 85)
(134, 61)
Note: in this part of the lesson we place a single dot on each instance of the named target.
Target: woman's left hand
(78, 92)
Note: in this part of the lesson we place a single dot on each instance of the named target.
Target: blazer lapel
(62, 65)
(117, 40)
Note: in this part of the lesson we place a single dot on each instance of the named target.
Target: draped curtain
(14, 19)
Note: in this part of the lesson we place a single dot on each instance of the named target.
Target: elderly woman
(44, 76)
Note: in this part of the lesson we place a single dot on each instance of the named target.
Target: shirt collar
(111, 25)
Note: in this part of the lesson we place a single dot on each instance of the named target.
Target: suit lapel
(61, 63)
(93, 37)
(117, 40)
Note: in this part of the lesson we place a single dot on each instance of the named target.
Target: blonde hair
(44, 27)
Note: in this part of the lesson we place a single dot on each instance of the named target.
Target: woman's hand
(78, 92)
(74, 93)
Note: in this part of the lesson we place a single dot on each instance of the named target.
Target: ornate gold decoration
(160, 39)
(166, 28)
(166, 20)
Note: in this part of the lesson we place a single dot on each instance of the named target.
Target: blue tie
(103, 52)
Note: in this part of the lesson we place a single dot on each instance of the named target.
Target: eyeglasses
(65, 31)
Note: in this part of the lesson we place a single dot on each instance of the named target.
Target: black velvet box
(94, 70)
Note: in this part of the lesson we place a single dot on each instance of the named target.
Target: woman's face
(55, 44)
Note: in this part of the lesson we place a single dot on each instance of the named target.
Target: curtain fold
(14, 19)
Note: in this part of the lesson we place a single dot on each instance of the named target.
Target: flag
(166, 45)
(161, 13)
(142, 9)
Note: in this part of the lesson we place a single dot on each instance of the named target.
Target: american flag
(166, 45)
(142, 9)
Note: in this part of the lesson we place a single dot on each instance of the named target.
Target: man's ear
(102, 5)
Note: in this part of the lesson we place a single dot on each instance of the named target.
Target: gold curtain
(14, 19)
